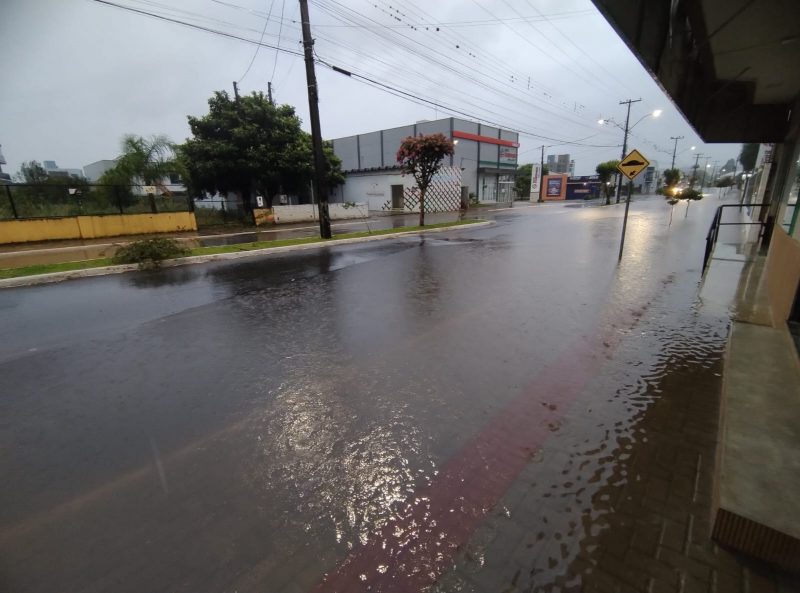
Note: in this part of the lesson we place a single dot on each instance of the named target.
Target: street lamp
(627, 129)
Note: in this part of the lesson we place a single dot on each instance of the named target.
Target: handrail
(716, 223)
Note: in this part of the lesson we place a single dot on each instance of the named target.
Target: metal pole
(625, 220)
(316, 132)
(11, 202)
(625, 141)
(541, 176)
(675, 149)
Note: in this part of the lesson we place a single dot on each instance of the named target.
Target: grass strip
(37, 269)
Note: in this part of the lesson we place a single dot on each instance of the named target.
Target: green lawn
(97, 263)
(50, 268)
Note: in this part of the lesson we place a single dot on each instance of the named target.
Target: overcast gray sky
(79, 74)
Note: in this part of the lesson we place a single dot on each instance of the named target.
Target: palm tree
(144, 161)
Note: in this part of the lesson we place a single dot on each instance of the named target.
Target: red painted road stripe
(415, 548)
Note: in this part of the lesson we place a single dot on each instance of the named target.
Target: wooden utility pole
(235, 91)
(674, 149)
(269, 93)
(694, 170)
(316, 132)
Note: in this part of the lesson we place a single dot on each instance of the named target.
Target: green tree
(748, 156)
(522, 184)
(144, 161)
(31, 172)
(251, 145)
(671, 177)
(421, 157)
(605, 171)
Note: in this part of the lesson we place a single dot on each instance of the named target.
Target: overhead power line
(361, 77)
(198, 27)
(258, 47)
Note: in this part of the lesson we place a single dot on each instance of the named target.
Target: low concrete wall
(91, 227)
(783, 275)
(308, 212)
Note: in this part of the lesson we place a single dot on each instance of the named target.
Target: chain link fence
(23, 201)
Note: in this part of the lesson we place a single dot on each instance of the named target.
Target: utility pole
(694, 169)
(269, 93)
(235, 91)
(625, 146)
(541, 176)
(675, 149)
(316, 132)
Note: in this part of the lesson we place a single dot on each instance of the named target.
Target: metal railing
(716, 224)
(20, 201)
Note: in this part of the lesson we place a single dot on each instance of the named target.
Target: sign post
(630, 166)
(536, 180)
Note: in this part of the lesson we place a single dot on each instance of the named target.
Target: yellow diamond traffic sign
(633, 164)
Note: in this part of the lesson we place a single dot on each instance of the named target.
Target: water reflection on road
(379, 416)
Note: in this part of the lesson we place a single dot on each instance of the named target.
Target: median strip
(43, 273)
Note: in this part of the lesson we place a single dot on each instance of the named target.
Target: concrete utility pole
(235, 91)
(625, 145)
(269, 93)
(675, 149)
(316, 132)
(541, 177)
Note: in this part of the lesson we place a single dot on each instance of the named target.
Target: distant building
(484, 162)
(560, 163)
(53, 170)
(649, 180)
(4, 177)
(94, 171)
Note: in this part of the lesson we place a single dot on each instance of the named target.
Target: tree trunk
(422, 206)
(687, 208)
(671, 211)
(608, 196)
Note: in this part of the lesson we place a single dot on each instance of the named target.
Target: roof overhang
(730, 66)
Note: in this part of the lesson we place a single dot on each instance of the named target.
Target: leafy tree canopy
(522, 185)
(251, 145)
(748, 156)
(672, 177)
(144, 161)
(31, 172)
(421, 157)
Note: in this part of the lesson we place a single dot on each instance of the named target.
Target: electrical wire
(365, 79)
(194, 26)
(258, 47)
(280, 30)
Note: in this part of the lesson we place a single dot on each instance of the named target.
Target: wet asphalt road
(360, 412)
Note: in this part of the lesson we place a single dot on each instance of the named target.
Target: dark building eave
(672, 41)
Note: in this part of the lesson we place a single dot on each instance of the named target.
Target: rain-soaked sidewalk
(492, 410)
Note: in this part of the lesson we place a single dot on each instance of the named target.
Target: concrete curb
(201, 259)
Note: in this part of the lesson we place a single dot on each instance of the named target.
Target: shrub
(691, 194)
(149, 253)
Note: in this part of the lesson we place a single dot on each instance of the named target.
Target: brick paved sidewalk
(612, 505)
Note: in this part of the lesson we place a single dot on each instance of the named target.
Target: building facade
(53, 170)
(484, 161)
(560, 163)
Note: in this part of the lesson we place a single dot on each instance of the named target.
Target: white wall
(308, 212)
(374, 190)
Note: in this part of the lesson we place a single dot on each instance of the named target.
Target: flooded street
(493, 409)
